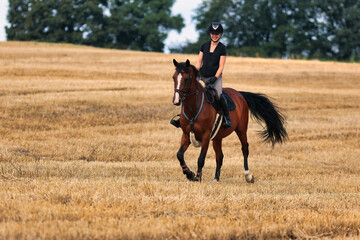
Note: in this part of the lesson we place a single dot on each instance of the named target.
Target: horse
(198, 115)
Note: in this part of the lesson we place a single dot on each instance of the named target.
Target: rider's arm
(199, 61)
(221, 66)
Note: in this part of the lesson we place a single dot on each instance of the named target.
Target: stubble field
(87, 151)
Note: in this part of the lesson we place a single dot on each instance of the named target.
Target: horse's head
(183, 76)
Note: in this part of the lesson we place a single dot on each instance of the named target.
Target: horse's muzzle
(177, 104)
(177, 99)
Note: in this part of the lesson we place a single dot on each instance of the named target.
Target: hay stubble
(87, 151)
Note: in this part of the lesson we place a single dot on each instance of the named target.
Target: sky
(3, 21)
(184, 7)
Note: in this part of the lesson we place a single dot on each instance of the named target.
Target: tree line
(123, 24)
(322, 29)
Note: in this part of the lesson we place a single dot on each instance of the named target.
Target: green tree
(17, 15)
(284, 28)
(54, 20)
(207, 12)
(126, 24)
(339, 31)
(261, 29)
(251, 27)
(142, 24)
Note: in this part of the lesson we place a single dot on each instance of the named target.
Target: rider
(211, 61)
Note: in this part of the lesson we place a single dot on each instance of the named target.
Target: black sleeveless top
(211, 60)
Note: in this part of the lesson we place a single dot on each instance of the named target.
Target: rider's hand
(212, 80)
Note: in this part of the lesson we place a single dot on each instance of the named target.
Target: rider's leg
(224, 106)
(223, 102)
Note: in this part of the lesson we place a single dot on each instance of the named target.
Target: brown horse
(198, 116)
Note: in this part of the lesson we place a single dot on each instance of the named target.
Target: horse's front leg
(201, 160)
(185, 142)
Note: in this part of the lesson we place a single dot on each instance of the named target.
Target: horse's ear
(187, 63)
(175, 62)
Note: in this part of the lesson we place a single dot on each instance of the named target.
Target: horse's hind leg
(219, 157)
(245, 150)
(185, 142)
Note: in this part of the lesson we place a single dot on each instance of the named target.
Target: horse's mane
(197, 73)
(182, 66)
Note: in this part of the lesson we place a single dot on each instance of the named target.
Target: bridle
(184, 93)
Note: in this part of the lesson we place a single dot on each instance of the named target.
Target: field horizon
(87, 151)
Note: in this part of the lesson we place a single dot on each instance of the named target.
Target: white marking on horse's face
(177, 96)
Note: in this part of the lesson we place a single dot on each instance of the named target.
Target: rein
(184, 93)
(198, 110)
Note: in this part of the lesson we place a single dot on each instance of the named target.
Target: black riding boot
(176, 122)
(224, 106)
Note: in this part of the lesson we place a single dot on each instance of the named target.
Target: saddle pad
(230, 102)
(211, 93)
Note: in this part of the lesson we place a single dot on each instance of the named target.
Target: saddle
(211, 97)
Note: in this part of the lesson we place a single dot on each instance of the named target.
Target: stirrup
(176, 122)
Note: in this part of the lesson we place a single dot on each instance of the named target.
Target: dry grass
(87, 151)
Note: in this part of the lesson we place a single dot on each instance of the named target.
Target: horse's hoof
(190, 175)
(197, 179)
(216, 180)
(249, 178)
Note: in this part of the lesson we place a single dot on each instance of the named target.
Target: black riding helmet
(215, 28)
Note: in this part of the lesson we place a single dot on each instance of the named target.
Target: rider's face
(215, 36)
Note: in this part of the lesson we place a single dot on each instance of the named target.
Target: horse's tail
(262, 109)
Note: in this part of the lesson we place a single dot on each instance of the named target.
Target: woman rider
(211, 61)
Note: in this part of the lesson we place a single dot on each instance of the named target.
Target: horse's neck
(196, 85)
(194, 100)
